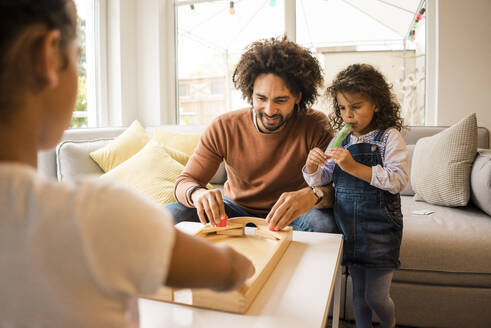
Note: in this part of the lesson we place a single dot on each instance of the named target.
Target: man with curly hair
(264, 146)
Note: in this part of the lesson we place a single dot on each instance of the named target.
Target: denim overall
(370, 218)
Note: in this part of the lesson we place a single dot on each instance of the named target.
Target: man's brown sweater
(260, 167)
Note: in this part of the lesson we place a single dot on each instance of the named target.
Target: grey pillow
(481, 181)
(408, 191)
(441, 164)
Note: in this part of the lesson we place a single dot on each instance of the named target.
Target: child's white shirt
(393, 176)
(77, 255)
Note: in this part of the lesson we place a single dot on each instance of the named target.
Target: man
(264, 147)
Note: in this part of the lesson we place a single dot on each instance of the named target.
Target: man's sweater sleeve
(321, 133)
(203, 164)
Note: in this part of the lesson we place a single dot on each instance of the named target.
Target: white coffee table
(297, 294)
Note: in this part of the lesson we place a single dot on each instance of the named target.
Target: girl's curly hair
(298, 68)
(369, 82)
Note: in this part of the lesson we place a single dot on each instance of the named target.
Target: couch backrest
(47, 164)
(417, 132)
(47, 160)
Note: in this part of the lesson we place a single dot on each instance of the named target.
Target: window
(85, 112)
(218, 88)
(183, 90)
(374, 32)
(211, 35)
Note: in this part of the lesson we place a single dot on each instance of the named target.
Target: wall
(464, 62)
(148, 63)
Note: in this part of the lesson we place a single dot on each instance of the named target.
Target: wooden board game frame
(263, 247)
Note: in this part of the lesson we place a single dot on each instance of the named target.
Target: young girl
(76, 255)
(368, 170)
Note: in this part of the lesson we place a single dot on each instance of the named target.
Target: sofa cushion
(178, 155)
(481, 180)
(441, 164)
(185, 142)
(122, 147)
(73, 161)
(442, 278)
(151, 171)
(220, 175)
(452, 240)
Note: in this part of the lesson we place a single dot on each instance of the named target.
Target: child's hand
(342, 157)
(316, 157)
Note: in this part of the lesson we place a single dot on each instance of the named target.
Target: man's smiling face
(273, 102)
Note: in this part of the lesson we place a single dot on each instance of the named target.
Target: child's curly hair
(298, 68)
(369, 82)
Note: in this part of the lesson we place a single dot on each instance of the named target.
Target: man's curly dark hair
(369, 82)
(296, 65)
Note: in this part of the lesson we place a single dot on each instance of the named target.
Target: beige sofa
(445, 277)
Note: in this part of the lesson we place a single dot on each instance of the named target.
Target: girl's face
(356, 110)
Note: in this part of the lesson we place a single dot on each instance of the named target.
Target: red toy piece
(223, 222)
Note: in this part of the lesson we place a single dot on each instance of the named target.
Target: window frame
(431, 64)
(290, 31)
(96, 64)
(100, 116)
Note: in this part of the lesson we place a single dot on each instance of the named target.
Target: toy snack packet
(344, 132)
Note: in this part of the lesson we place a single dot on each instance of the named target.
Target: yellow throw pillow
(151, 171)
(179, 156)
(185, 142)
(123, 147)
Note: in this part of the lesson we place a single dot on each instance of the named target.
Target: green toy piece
(344, 132)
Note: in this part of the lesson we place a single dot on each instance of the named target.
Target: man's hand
(290, 206)
(315, 159)
(209, 202)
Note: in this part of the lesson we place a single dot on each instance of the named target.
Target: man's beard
(282, 121)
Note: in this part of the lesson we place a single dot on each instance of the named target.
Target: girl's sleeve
(393, 176)
(323, 175)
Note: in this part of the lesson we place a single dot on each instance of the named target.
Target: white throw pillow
(73, 161)
(442, 164)
(408, 191)
(481, 181)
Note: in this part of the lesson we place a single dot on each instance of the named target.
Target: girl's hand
(315, 159)
(342, 157)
